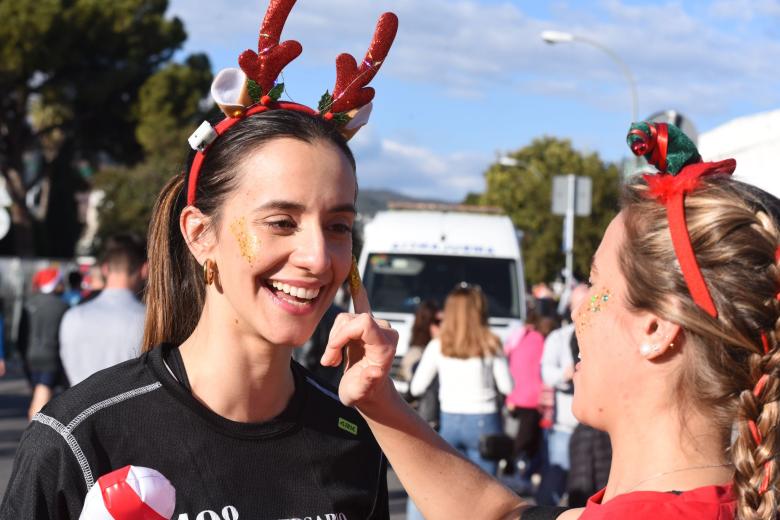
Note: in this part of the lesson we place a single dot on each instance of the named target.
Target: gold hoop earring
(209, 271)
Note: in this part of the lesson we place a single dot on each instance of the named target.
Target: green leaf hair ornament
(680, 169)
(663, 145)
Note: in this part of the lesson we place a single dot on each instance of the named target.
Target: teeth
(298, 292)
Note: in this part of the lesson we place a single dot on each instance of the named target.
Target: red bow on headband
(680, 171)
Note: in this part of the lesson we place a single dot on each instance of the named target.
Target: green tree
(170, 107)
(524, 191)
(70, 72)
(169, 110)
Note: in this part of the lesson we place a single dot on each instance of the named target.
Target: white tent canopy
(754, 141)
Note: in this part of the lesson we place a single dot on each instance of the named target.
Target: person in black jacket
(246, 253)
(591, 455)
(39, 335)
(238, 278)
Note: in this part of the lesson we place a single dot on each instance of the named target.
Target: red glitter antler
(350, 90)
(271, 57)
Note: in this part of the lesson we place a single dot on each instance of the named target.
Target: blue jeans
(553, 485)
(463, 431)
(558, 448)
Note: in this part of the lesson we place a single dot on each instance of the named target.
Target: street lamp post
(553, 37)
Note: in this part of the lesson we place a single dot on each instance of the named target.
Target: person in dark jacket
(39, 335)
(590, 453)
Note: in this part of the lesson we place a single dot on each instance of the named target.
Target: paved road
(15, 398)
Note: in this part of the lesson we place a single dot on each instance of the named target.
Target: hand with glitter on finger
(370, 346)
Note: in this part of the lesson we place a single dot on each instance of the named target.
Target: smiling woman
(273, 218)
(247, 249)
(237, 281)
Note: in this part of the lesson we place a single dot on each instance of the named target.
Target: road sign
(583, 188)
(571, 197)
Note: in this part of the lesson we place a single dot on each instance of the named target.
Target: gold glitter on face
(248, 243)
(354, 277)
(595, 304)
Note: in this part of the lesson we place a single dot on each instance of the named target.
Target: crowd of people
(457, 370)
(73, 326)
(659, 399)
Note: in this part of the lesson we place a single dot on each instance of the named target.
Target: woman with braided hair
(679, 358)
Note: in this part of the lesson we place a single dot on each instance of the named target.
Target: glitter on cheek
(248, 243)
(595, 304)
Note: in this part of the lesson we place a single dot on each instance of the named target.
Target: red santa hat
(46, 280)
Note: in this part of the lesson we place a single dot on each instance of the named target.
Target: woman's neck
(658, 452)
(235, 373)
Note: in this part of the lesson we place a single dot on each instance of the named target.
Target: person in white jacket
(472, 371)
(557, 372)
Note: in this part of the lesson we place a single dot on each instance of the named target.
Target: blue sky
(469, 80)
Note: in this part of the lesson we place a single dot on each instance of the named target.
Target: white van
(413, 252)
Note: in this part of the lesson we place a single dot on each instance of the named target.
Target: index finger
(358, 290)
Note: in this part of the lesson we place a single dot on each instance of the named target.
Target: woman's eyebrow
(343, 208)
(283, 205)
(297, 207)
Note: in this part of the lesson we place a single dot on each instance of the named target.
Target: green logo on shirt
(348, 426)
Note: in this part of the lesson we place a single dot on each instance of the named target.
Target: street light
(511, 162)
(553, 37)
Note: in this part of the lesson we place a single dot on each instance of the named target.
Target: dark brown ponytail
(174, 294)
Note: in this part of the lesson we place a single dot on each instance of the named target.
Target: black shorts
(528, 433)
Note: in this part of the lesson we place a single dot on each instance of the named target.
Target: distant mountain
(371, 201)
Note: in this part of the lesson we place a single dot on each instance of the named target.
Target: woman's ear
(658, 336)
(198, 233)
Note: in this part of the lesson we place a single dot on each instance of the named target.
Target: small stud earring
(647, 348)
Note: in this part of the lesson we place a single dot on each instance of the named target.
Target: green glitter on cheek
(596, 303)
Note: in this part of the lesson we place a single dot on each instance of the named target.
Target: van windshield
(399, 282)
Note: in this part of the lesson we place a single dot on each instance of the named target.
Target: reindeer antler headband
(252, 89)
(680, 168)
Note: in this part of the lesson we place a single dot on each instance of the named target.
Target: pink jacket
(524, 348)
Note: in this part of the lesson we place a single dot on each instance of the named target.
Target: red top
(708, 502)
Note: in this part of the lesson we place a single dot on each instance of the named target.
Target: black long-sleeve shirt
(317, 459)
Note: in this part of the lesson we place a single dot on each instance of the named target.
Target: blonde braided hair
(755, 450)
(727, 373)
